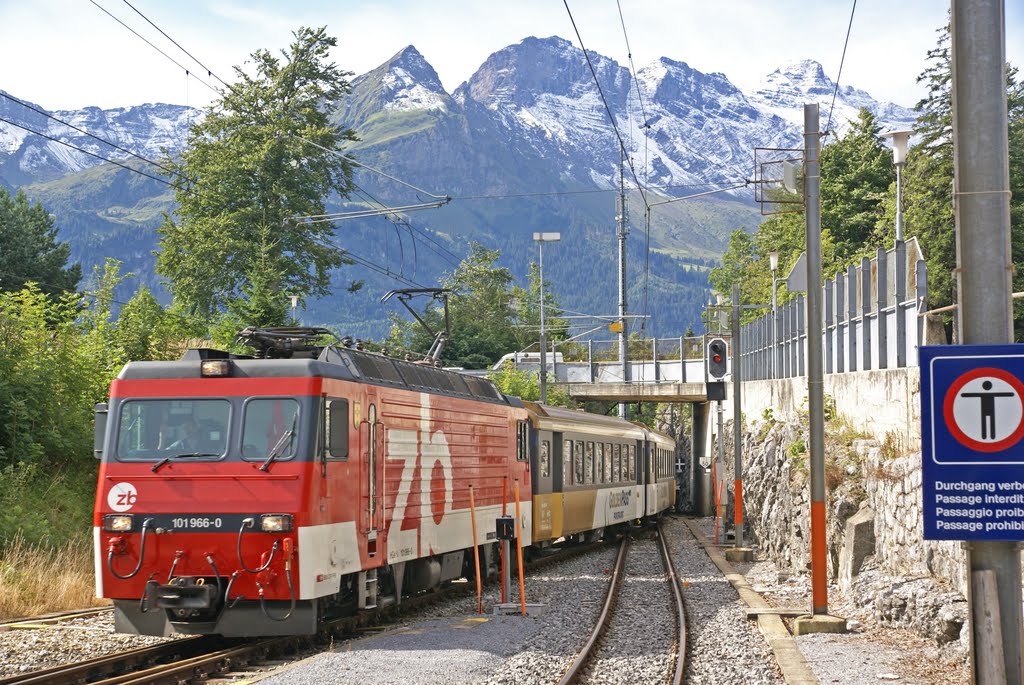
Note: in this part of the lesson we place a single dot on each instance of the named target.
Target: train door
(542, 460)
(372, 457)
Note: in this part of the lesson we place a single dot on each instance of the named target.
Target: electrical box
(716, 391)
(506, 527)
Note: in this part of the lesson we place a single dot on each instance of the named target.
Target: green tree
(857, 172)
(525, 385)
(928, 180)
(527, 311)
(249, 170)
(480, 312)
(31, 252)
(490, 316)
(145, 330)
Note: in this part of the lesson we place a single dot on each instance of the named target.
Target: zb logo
(122, 497)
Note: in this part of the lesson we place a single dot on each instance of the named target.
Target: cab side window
(336, 418)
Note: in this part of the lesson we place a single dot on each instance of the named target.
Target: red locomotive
(258, 495)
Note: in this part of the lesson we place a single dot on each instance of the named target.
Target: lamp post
(542, 238)
(900, 141)
(773, 261)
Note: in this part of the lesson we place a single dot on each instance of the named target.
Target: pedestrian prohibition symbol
(972, 440)
(984, 409)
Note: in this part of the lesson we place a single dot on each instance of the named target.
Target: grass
(35, 579)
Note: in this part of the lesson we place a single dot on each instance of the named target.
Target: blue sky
(64, 54)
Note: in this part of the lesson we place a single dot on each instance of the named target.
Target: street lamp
(900, 141)
(542, 238)
(773, 261)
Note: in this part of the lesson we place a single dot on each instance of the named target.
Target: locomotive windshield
(152, 429)
(269, 428)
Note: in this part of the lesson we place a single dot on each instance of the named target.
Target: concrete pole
(737, 419)
(981, 203)
(543, 337)
(621, 218)
(775, 329)
(720, 468)
(815, 370)
(899, 202)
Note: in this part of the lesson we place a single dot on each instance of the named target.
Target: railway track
(193, 659)
(628, 623)
(51, 618)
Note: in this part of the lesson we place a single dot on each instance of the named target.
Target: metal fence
(870, 320)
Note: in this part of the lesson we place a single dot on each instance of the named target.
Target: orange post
(519, 548)
(714, 495)
(737, 518)
(476, 554)
(819, 559)
(504, 561)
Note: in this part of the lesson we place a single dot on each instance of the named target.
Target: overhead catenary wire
(150, 44)
(646, 124)
(46, 114)
(357, 163)
(178, 45)
(604, 100)
(835, 91)
(91, 154)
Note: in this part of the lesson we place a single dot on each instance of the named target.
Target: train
(262, 494)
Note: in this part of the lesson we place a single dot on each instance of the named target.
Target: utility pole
(981, 204)
(815, 361)
(621, 218)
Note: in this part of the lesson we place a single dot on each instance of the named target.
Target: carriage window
(617, 464)
(566, 462)
(578, 463)
(545, 459)
(588, 464)
(599, 463)
(632, 463)
(608, 463)
(270, 426)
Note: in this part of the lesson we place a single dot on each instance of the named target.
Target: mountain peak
(409, 82)
(785, 91)
(805, 70)
(536, 67)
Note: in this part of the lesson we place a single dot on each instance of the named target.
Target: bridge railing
(651, 360)
(871, 320)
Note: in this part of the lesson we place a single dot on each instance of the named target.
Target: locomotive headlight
(118, 523)
(276, 523)
(215, 368)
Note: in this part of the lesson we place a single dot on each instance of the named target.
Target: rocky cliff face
(902, 580)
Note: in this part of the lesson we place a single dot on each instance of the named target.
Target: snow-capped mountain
(513, 146)
(150, 131)
(679, 125)
(785, 91)
(690, 127)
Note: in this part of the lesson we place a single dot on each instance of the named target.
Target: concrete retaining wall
(913, 582)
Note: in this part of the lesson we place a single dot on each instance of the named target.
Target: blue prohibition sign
(972, 439)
